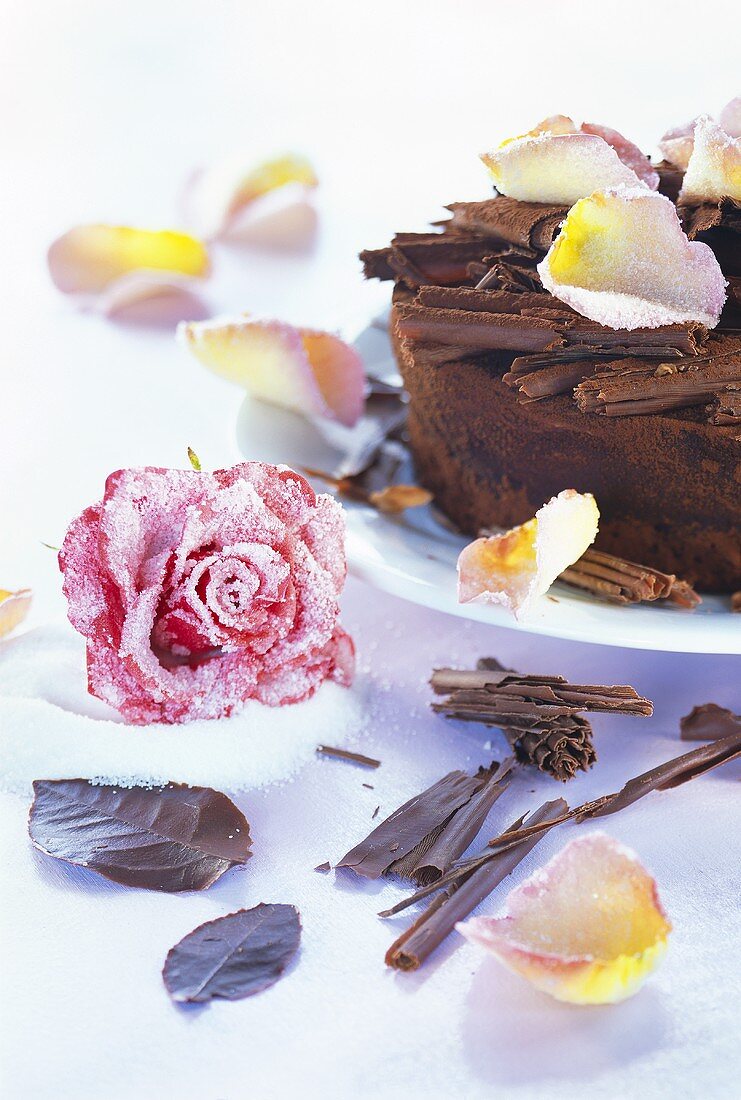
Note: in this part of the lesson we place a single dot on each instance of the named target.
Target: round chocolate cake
(515, 396)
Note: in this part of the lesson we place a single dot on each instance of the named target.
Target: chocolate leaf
(233, 956)
(168, 838)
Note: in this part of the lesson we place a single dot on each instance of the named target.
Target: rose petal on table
(588, 928)
(629, 153)
(516, 568)
(622, 259)
(714, 169)
(152, 297)
(14, 606)
(89, 258)
(557, 168)
(676, 144)
(216, 197)
(730, 117)
(306, 370)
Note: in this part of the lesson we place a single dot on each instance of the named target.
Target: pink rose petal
(629, 153)
(313, 373)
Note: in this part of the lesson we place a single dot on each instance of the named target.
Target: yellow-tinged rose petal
(519, 566)
(622, 259)
(14, 607)
(714, 169)
(557, 168)
(89, 258)
(587, 928)
(311, 372)
(217, 196)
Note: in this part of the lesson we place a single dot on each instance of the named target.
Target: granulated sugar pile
(51, 728)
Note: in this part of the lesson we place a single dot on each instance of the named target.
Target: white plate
(414, 556)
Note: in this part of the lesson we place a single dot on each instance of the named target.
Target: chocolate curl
(410, 950)
(699, 218)
(529, 225)
(619, 581)
(539, 715)
(709, 722)
(425, 836)
(635, 389)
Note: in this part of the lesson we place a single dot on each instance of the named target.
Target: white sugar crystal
(51, 728)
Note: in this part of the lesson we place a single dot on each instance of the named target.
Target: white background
(106, 108)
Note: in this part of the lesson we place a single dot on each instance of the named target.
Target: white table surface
(106, 108)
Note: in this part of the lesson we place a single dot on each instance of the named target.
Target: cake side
(668, 486)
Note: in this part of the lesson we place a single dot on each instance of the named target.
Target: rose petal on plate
(557, 168)
(151, 297)
(676, 144)
(714, 169)
(216, 197)
(516, 568)
(311, 372)
(622, 259)
(629, 153)
(14, 607)
(730, 117)
(588, 928)
(88, 258)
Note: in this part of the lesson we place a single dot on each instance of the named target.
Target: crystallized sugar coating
(623, 260)
(197, 591)
(629, 153)
(714, 168)
(557, 168)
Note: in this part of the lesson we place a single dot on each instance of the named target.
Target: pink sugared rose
(197, 591)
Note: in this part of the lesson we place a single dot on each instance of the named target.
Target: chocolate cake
(515, 396)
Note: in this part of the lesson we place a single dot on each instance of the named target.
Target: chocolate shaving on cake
(633, 388)
(531, 225)
(709, 722)
(612, 578)
(539, 715)
(488, 320)
(699, 218)
(428, 833)
(412, 947)
(419, 258)
(726, 406)
(670, 179)
(351, 757)
(672, 773)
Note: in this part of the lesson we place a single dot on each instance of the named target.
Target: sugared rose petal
(588, 928)
(516, 568)
(558, 165)
(14, 607)
(89, 258)
(714, 169)
(629, 153)
(730, 117)
(217, 197)
(311, 372)
(676, 144)
(623, 260)
(153, 297)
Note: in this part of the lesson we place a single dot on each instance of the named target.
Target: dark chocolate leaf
(233, 956)
(165, 838)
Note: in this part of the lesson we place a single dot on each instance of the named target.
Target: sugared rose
(198, 591)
